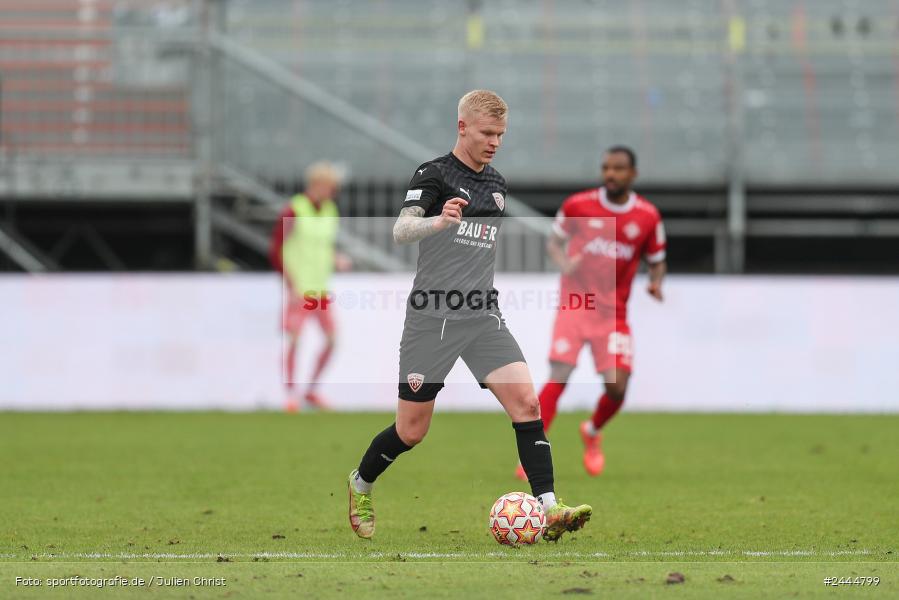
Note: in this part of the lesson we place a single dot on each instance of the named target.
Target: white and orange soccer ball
(517, 518)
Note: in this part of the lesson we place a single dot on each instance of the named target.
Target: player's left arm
(342, 261)
(654, 252)
(656, 274)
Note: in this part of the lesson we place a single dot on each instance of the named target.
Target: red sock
(320, 364)
(289, 362)
(605, 410)
(549, 399)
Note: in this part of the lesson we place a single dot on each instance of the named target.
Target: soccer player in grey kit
(454, 208)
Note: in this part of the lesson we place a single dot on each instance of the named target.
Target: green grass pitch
(743, 506)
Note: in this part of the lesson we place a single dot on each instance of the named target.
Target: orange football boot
(291, 402)
(316, 401)
(520, 474)
(594, 460)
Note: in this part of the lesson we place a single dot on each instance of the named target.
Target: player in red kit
(599, 237)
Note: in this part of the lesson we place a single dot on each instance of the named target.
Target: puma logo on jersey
(464, 191)
(420, 171)
(542, 443)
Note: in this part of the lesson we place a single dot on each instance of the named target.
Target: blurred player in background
(454, 209)
(303, 251)
(598, 261)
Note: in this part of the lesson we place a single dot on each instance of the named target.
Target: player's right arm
(412, 226)
(556, 245)
(425, 189)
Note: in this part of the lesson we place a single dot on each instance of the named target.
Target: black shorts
(430, 347)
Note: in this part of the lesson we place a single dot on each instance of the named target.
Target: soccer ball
(517, 518)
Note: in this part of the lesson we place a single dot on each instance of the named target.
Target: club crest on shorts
(500, 201)
(415, 381)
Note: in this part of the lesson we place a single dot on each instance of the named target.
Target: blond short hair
(483, 102)
(324, 171)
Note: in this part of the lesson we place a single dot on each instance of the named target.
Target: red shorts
(610, 341)
(297, 310)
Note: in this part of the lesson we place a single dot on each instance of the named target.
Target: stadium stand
(759, 124)
(70, 85)
(90, 103)
(814, 76)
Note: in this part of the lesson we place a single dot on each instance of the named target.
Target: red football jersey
(611, 238)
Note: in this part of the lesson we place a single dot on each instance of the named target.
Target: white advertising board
(191, 342)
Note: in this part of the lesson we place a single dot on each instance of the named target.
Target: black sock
(383, 450)
(535, 455)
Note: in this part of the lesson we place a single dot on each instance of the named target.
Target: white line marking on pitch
(425, 555)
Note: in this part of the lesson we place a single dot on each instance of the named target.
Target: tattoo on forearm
(411, 225)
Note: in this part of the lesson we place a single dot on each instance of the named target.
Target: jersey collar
(617, 208)
(465, 167)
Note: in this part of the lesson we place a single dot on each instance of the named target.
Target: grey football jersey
(454, 277)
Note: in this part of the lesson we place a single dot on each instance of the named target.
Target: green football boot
(561, 518)
(362, 515)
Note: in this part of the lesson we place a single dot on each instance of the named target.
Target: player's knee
(559, 372)
(615, 391)
(412, 437)
(528, 406)
(412, 433)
